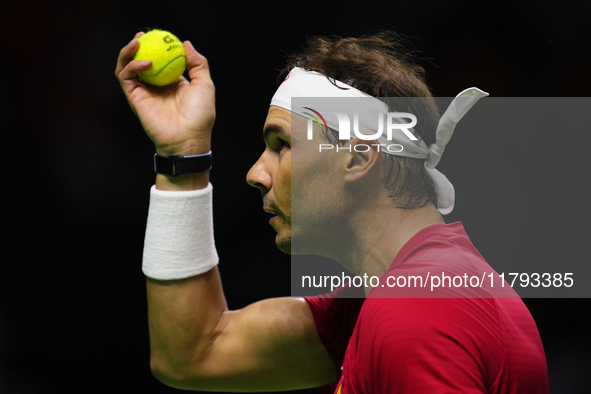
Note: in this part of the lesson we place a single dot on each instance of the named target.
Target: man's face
(271, 174)
(311, 195)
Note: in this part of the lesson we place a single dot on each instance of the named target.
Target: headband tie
(303, 83)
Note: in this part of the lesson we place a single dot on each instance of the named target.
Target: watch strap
(176, 165)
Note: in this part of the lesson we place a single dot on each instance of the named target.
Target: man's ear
(362, 159)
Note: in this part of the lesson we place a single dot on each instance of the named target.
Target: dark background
(77, 166)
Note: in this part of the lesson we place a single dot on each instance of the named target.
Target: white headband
(303, 83)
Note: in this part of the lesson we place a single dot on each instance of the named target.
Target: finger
(197, 65)
(126, 55)
(128, 76)
(127, 68)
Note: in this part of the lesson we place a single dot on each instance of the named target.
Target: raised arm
(196, 343)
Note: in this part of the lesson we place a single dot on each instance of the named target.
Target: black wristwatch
(176, 165)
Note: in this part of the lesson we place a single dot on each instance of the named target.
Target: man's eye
(276, 143)
(282, 143)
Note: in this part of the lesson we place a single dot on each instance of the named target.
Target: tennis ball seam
(166, 65)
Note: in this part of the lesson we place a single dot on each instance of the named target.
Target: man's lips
(272, 211)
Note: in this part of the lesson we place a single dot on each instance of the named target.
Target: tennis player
(388, 206)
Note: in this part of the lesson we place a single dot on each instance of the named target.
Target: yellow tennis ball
(167, 55)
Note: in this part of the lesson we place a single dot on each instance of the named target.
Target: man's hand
(178, 118)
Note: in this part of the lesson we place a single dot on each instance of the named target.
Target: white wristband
(179, 239)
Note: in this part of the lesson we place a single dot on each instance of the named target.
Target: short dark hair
(381, 65)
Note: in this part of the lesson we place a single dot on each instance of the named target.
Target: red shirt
(396, 345)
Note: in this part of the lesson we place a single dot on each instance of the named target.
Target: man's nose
(259, 177)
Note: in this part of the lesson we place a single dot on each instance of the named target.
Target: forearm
(185, 297)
